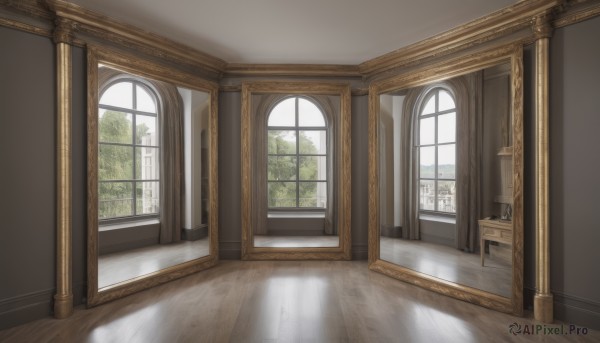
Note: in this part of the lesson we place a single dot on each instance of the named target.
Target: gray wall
(27, 176)
(27, 179)
(574, 169)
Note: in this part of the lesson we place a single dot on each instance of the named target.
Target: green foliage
(116, 163)
(287, 168)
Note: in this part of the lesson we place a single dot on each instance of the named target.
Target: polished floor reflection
(449, 264)
(126, 265)
(263, 241)
(283, 301)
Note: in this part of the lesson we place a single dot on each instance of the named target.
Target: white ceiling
(295, 31)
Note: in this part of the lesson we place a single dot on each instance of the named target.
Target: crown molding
(106, 29)
(313, 70)
(495, 25)
(79, 26)
(575, 11)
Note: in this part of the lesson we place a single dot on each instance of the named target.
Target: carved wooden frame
(134, 65)
(438, 72)
(341, 252)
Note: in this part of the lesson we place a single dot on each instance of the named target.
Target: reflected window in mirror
(436, 144)
(128, 156)
(297, 156)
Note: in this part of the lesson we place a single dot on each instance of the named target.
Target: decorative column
(543, 300)
(63, 299)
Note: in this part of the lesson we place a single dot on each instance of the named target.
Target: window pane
(147, 197)
(447, 196)
(284, 114)
(313, 142)
(282, 142)
(114, 127)
(313, 168)
(146, 163)
(282, 194)
(427, 195)
(309, 114)
(447, 161)
(427, 162)
(115, 162)
(429, 107)
(118, 95)
(115, 199)
(447, 128)
(282, 168)
(145, 133)
(446, 101)
(313, 194)
(427, 131)
(145, 102)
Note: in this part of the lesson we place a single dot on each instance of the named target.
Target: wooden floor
(449, 264)
(269, 301)
(264, 241)
(117, 267)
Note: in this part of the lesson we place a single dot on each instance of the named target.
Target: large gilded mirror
(152, 174)
(446, 180)
(295, 170)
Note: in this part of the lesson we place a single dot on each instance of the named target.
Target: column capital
(541, 25)
(63, 30)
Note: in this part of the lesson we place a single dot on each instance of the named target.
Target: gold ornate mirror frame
(342, 251)
(134, 65)
(512, 54)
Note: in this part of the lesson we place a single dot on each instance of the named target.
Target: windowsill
(437, 218)
(294, 214)
(126, 225)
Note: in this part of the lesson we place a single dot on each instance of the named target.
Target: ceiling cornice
(36, 16)
(314, 70)
(105, 28)
(479, 31)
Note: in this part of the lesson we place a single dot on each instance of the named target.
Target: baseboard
(438, 240)
(230, 250)
(360, 252)
(194, 234)
(575, 310)
(569, 309)
(392, 231)
(25, 308)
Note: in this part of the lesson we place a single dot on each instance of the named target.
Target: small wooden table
(494, 230)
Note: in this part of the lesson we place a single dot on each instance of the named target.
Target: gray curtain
(410, 167)
(468, 158)
(329, 109)
(171, 166)
(259, 210)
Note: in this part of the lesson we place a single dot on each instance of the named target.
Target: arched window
(128, 155)
(297, 155)
(436, 144)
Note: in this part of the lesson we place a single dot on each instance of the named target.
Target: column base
(63, 306)
(543, 308)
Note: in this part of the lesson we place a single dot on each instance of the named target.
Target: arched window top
(296, 111)
(438, 100)
(131, 95)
